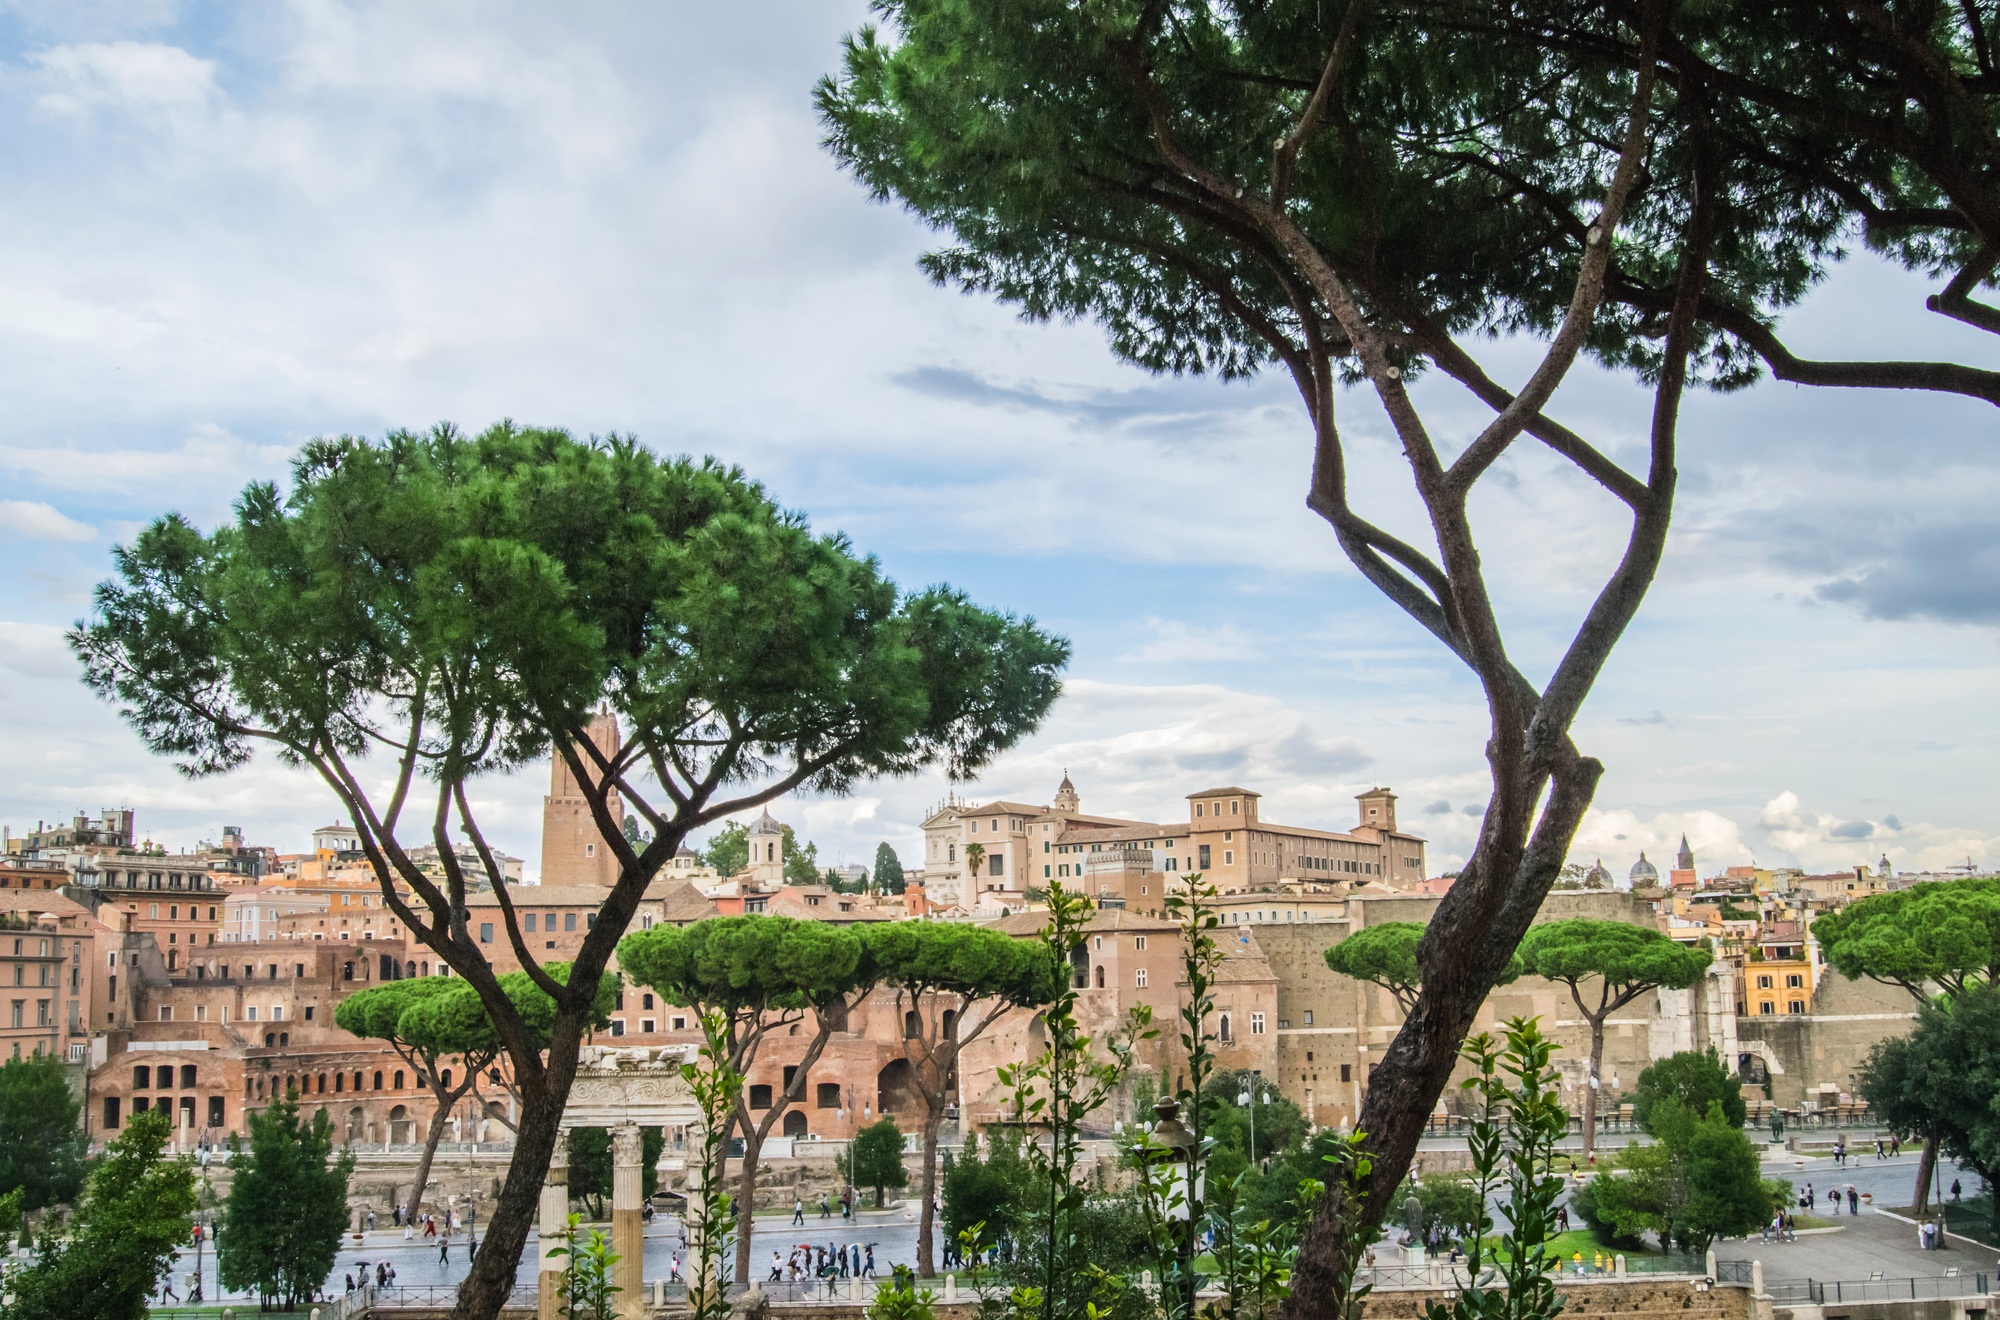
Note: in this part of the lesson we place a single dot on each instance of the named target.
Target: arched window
(399, 1079)
(1100, 976)
(357, 1081)
(950, 1024)
(444, 1076)
(339, 1082)
(913, 1026)
(378, 1079)
(1079, 968)
(322, 1083)
(1222, 1032)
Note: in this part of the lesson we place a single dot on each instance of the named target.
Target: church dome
(1643, 873)
(1597, 877)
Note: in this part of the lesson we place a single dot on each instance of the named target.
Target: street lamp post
(1247, 1098)
(1172, 1146)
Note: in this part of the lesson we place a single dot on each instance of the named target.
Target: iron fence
(1820, 1292)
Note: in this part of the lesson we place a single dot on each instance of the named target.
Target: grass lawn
(1567, 1245)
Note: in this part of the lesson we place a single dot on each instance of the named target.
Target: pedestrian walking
(825, 1206)
(1954, 1189)
(1895, 1145)
(673, 1269)
(1833, 1195)
(350, 1282)
(868, 1269)
(371, 1220)
(398, 1212)
(1853, 1201)
(799, 1211)
(1878, 1148)
(777, 1267)
(444, 1250)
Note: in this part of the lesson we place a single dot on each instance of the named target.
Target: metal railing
(431, 1296)
(1442, 1273)
(1820, 1292)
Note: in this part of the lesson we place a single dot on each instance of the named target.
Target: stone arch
(896, 1089)
(357, 1124)
(1751, 1053)
(401, 1129)
(795, 1122)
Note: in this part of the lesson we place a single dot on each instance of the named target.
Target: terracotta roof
(1001, 806)
(683, 902)
(1220, 792)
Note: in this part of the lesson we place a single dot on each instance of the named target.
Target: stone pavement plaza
(1873, 1241)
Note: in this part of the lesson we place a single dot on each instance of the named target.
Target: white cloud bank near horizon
(228, 228)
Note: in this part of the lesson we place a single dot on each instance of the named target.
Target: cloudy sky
(226, 228)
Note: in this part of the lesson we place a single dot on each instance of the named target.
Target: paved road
(417, 1263)
(1871, 1242)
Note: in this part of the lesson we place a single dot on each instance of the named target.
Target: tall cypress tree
(888, 869)
(287, 1206)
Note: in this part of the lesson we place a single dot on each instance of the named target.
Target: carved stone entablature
(642, 1086)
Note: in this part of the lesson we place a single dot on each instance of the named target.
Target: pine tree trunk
(1926, 1163)
(746, 1199)
(516, 1210)
(1590, 1088)
(438, 1121)
(1478, 925)
(926, 1219)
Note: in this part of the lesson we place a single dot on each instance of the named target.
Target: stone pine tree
(426, 1035)
(875, 1158)
(765, 975)
(1939, 1081)
(431, 1020)
(1621, 962)
(413, 613)
(1359, 194)
(1385, 954)
(951, 983)
(1928, 940)
(888, 876)
(287, 1206)
(124, 1236)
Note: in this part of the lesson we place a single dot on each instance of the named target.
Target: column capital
(628, 1145)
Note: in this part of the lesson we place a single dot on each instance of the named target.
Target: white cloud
(138, 75)
(1178, 641)
(207, 457)
(32, 520)
(35, 650)
(1618, 837)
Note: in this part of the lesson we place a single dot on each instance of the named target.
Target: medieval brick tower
(573, 851)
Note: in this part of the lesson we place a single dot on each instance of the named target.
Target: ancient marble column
(628, 1227)
(555, 1218)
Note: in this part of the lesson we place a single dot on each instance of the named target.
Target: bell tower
(767, 852)
(1066, 798)
(573, 851)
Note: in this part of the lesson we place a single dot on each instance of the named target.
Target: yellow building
(1775, 986)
